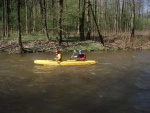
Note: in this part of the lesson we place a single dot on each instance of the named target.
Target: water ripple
(143, 81)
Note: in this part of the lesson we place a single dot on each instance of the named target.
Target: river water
(119, 83)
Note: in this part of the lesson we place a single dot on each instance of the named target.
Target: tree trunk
(19, 28)
(132, 19)
(79, 2)
(122, 16)
(88, 37)
(8, 17)
(132, 22)
(45, 20)
(60, 21)
(30, 16)
(26, 16)
(106, 16)
(3, 18)
(42, 15)
(34, 16)
(81, 26)
(116, 16)
(53, 15)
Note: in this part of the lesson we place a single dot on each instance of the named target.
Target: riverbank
(115, 43)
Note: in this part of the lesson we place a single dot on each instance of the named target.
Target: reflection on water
(43, 69)
(143, 80)
(119, 83)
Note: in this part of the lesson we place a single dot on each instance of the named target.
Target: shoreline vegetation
(113, 42)
(30, 26)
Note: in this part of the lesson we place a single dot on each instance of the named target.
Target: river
(119, 83)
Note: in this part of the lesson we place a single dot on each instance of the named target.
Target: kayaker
(74, 54)
(58, 56)
(80, 56)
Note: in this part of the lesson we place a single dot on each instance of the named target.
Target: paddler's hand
(58, 62)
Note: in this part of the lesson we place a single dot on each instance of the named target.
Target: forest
(71, 20)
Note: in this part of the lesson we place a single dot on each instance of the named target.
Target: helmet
(57, 51)
(80, 51)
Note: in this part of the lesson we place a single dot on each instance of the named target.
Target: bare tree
(100, 36)
(132, 19)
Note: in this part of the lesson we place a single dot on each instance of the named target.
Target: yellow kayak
(67, 62)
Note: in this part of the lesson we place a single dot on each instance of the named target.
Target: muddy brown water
(119, 83)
